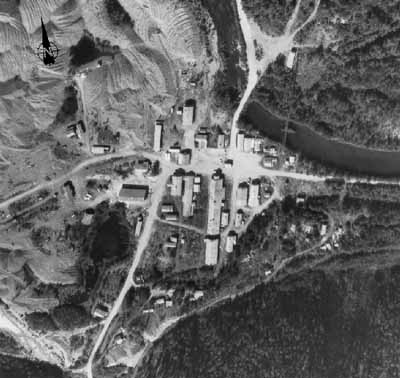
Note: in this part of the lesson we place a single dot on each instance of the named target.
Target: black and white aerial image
(199, 188)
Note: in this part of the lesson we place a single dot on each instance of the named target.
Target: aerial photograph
(199, 189)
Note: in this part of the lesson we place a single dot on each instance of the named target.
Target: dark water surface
(314, 146)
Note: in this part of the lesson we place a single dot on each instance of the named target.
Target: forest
(338, 319)
(117, 13)
(271, 15)
(346, 82)
(69, 107)
(269, 237)
(15, 367)
(8, 344)
(318, 324)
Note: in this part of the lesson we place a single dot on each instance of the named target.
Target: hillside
(133, 53)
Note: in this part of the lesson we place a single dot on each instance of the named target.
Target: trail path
(292, 19)
(181, 225)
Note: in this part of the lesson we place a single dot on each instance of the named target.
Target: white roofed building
(254, 196)
(291, 58)
(212, 247)
(242, 194)
(240, 140)
(216, 196)
(188, 113)
(158, 128)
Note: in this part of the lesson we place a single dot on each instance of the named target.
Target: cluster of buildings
(249, 143)
(188, 116)
(201, 140)
(75, 130)
(185, 185)
(178, 155)
(163, 299)
(271, 160)
(101, 311)
(248, 194)
(218, 219)
(168, 212)
(334, 240)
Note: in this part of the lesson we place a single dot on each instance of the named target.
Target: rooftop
(132, 191)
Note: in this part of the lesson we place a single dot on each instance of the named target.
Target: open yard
(162, 257)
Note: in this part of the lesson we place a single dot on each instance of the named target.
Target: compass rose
(47, 55)
(47, 51)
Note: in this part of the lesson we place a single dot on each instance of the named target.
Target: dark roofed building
(133, 193)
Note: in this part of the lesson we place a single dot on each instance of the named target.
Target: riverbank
(316, 147)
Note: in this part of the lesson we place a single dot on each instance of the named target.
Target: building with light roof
(212, 249)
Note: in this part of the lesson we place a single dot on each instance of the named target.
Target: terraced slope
(161, 36)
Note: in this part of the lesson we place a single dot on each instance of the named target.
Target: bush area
(14, 367)
(160, 262)
(102, 267)
(314, 325)
(370, 215)
(41, 321)
(118, 14)
(84, 51)
(348, 86)
(112, 239)
(69, 317)
(64, 317)
(106, 251)
(230, 81)
(271, 15)
(381, 192)
(271, 235)
(376, 223)
(69, 106)
(8, 344)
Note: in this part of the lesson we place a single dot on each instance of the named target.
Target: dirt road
(143, 241)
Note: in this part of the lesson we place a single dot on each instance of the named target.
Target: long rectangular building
(216, 196)
(133, 193)
(176, 184)
(242, 195)
(188, 184)
(212, 248)
(158, 128)
(254, 200)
